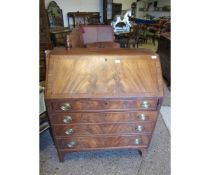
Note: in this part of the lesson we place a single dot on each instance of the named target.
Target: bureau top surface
(103, 73)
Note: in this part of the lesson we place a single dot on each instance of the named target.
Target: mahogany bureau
(103, 98)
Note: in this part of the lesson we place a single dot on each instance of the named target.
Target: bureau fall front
(103, 98)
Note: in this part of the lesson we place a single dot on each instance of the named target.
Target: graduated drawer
(84, 105)
(79, 143)
(94, 129)
(103, 117)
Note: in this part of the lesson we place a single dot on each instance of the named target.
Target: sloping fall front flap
(107, 73)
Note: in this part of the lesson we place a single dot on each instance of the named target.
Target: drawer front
(114, 117)
(95, 129)
(103, 105)
(80, 143)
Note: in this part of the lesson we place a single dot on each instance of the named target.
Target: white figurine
(125, 27)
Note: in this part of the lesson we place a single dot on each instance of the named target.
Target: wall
(140, 5)
(126, 4)
(78, 5)
(158, 14)
(161, 3)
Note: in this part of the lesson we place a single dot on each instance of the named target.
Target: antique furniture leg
(61, 155)
(142, 152)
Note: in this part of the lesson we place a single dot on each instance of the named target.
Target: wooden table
(58, 36)
(122, 38)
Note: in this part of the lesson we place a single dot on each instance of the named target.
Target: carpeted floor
(157, 162)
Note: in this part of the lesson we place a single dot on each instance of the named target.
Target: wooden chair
(152, 33)
(143, 34)
(133, 37)
(137, 36)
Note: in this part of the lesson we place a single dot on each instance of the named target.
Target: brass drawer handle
(69, 131)
(139, 128)
(65, 107)
(145, 104)
(72, 144)
(137, 141)
(142, 117)
(67, 119)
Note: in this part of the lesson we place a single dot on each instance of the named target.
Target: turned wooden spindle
(68, 42)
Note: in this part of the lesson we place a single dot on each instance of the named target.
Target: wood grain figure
(103, 98)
